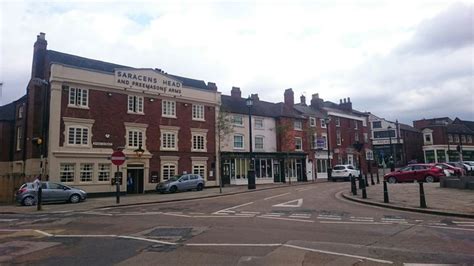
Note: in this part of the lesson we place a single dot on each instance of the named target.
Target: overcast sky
(401, 60)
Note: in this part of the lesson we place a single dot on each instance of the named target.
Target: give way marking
(291, 204)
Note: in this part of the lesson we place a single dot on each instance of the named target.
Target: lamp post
(251, 171)
(392, 166)
(139, 152)
(358, 146)
(329, 165)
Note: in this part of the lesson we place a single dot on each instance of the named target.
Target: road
(294, 225)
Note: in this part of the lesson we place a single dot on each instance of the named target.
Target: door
(135, 179)
(184, 183)
(350, 159)
(226, 173)
(276, 172)
(58, 192)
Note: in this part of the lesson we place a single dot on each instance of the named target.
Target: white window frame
(20, 111)
(19, 138)
(312, 122)
(76, 98)
(430, 135)
(166, 141)
(450, 138)
(356, 124)
(241, 124)
(338, 138)
(325, 137)
(356, 136)
(463, 138)
(243, 141)
(140, 135)
(259, 125)
(168, 109)
(456, 138)
(86, 175)
(194, 145)
(262, 147)
(81, 137)
(198, 112)
(298, 125)
(67, 169)
(323, 123)
(337, 122)
(135, 104)
(168, 166)
(199, 168)
(104, 172)
(300, 140)
(469, 139)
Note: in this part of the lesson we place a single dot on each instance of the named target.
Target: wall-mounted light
(185, 104)
(139, 152)
(107, 136)
(152, 100)
(109, 94)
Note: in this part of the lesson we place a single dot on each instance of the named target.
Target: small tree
(224, 128)
(283, 130)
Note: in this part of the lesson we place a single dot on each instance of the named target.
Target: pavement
(402, 196)
(406, 196)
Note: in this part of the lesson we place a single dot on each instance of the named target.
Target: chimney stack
(254, 97)
(236, 93)
(39, 56)
(303, 100)
(289, 98)
(346, 104)
(316, 102)
(212, 86)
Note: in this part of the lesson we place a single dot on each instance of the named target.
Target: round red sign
(118, 158)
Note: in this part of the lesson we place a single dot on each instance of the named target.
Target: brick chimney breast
(212, 86)
(316, 102)
(289, 98)
(303, 100)
(236, 93)
(254, 97)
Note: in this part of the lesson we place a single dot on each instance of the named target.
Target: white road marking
(148, 240)
(97, 213)
(221, 213)
(362, 220)
(462, 222)
(418, 220)
(330, 218)
(250, 212)
(465, 225)
(196, 213)
(245, 214)
(338, 254)
(175, 214)
(276, 196)
(440, 224)
(304, 189)
(451, 228)
(43, 233)
(220, 216)
(299, 216)
(235, 207)
(230, 245)
(286, 219)
(8, 220)
(93, 236)
(344, 222)
(297, 204)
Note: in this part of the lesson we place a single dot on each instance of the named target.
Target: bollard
(378, 180)
(39, 199)
(353, 186)
(366, 180)
(364, 191)
(422, 196)
(372, 179)
(385, 192)
(360, 181)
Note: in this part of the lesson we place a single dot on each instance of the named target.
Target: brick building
(83, 109)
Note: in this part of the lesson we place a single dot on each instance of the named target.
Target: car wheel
(392, 180)
(173, 189)
(75, 198)
(28, 201)
(199, 187)
(429, 179)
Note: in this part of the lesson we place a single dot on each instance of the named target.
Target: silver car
(180, 183)
(50, 191)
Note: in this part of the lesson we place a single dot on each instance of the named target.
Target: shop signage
(148, 79)
(108, 144)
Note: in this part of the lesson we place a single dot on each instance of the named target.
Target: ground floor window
(441, 154)
(86, 172)
(66, 172)
(199, 169)
(429, 156)
(263, 168)
(321, 165)
(104, 172)
(168, 170)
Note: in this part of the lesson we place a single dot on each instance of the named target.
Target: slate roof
(459, 128)
(7, 112)
(307, 110)
(87, 63)
(469, 124)
(408, 128)
(260, 108)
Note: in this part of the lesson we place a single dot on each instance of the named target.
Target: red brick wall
(6, 130)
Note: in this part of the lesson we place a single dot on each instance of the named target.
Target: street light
(251, 171)
(139, 152)
(329, 169)
(392, 167)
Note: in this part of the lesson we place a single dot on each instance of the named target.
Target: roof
(7, 112)
(459, 128)
(408, 128)
(259, 108)
(307, 110)
(469, 124)
(87, 63)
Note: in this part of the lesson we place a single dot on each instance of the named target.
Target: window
(356, 124)
(104, 172)
(450, 138)
(78, 136)
(469, 139)
(463, 138)
(366, 137)
(199, 169)
(237, 120)
(338, 138)
(78, 97)
(18, 138)
(20, 111)
(66, 172)
(259, 142)
(168, 170)
(456, 138)
(198, 112)
(324, 137)
(323, 123)
(377, 124)
(356, 137)
(238, 142)
(135, 104)
(86, 172)
(199, 142)
(427, 138)
(169, 109)
(168, 141)
(258, 123)
(384, 134)
(312, 122)
(298, 144)
(338, 122)
(135, 138)
(298, 125)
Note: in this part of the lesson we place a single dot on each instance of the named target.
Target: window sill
(198, 150)
(77, 146)
(163, 149)
(199, 120)
(135, 113)
(169, 116)
(78, 107)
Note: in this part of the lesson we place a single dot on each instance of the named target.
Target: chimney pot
(340, 101)
(303, 100)
(344, 100)
(348, 99)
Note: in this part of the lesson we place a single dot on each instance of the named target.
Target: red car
(451, 169)
(415, 172)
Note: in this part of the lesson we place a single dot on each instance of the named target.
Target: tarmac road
(293, 225)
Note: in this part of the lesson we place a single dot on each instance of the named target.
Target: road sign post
(118, 158)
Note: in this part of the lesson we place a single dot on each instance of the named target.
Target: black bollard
(364, 191)
(360, 181)
(372, 179)
(385, 192)
(366, 181)
(422, 196)
(353, 186)
(39, 199)
(378, 180)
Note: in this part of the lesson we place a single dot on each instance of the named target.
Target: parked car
(415, 172)
(452, 170)
(27, 194)
(459, 165)
(181, 183)
(344, 171)
(467, 166)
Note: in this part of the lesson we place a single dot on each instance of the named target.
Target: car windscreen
(340, 167)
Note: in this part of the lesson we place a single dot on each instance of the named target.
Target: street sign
(118, 158)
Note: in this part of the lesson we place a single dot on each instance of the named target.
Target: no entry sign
(118, 158)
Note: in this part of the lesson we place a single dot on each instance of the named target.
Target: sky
(404, 60)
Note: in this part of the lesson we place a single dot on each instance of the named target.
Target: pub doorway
(135, 178)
